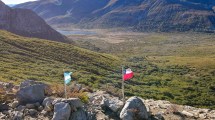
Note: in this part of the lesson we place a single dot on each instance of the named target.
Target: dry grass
(58, 90)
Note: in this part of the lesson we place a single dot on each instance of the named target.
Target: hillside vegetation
(179, 67)
(24, 58)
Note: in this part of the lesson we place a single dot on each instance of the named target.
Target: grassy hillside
(179, 67)
(24, 58)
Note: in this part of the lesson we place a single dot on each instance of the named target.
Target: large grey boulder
(80, 114)
(134, 109)
(61, 111)
(31, 94)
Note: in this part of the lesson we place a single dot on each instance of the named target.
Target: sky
(15, 1)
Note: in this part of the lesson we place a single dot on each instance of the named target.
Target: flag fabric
(67, 77)
(127, 74)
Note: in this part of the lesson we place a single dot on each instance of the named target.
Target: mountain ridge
(27, 23)
(140, 15)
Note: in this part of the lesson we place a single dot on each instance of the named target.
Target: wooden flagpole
(123, 93)
(64, 84)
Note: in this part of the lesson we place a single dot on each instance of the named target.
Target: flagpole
(123, 93)
(64, 85)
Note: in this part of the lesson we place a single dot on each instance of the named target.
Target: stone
(100, 116)
(40, 108)
(32, 112)
(56, 100)
(47, 100)
(37, 104)
(202, 116)
(30, 106)
(4, 106)
(2, 116)
(48, 107)
(31, 94)
(44, 112)
(188, 114)
(159, 116)
(20, 108)
(14, 104)
(17, 115)
(112, 103)
(75, 103)
(47, 103)
(6, 112)
(80, 114)
(212, 116)
(61, 111)
(134, 109)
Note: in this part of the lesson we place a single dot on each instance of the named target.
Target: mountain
(27, 23)
(11, 5)
(31, 58)
(141, 15)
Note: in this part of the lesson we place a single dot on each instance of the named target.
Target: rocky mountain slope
(100, 106)
(141, 15)
(27, 23)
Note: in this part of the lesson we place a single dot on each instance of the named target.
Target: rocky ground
(30, 103)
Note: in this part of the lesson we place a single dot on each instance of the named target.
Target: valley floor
(179, 67)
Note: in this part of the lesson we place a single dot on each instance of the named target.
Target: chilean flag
(127, 74)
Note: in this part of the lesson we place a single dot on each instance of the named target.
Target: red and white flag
(127, 74)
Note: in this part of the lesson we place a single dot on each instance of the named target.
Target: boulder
(31, 94)
(134, 109)
(80, 114)
(61, 111)
(112, 103)
(75, 103)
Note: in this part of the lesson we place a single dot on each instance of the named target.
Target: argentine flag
(67, 77)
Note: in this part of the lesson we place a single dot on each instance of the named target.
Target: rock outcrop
(31, 92)
(134, 109)
(27, 23)
(61, 111)
(101, 106)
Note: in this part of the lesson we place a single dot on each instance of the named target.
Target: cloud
(15, 1)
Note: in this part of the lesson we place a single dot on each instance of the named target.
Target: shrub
(57, 90)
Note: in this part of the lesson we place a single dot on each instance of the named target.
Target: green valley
(179, 67)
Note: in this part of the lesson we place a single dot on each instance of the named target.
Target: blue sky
(15, 1)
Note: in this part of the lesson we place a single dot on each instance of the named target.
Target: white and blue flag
(67, 77)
